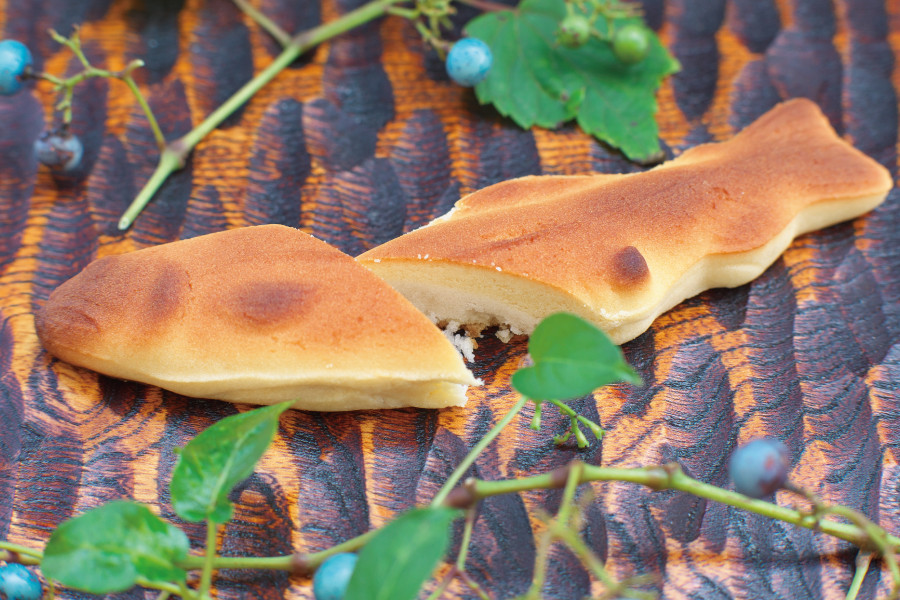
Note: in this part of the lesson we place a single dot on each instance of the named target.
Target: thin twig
(280, 35)
(863, 560)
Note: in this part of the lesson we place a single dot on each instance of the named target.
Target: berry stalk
(280, 35)
(476, 450)
(175, 154)
(671, 477)
(68, 85)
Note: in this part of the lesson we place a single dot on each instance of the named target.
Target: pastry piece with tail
(619, 250)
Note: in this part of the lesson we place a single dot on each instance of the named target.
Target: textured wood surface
(363, 140)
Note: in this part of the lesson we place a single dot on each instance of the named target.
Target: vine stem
(272, 28)
(487, 5)
(563, 515)
(270, 563)
(311, 561)
(142, 101)
(164, 588)
(863, 559)
(208, 559)
(90, 71)
(670, 477)
(300, 43)
(477, 449)
(22, 554)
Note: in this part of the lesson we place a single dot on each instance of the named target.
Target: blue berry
(60, 151)
(15, 59)
(760, 467)
(18, 583)
(332, 576)
(469, 61)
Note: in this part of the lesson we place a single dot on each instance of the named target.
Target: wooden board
(364, 139)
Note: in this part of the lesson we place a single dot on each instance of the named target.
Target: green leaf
(571, 358)
(536, 81)
(106, 549)
(215, 461)
(398, 560)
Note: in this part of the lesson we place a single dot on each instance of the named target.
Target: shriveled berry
(760, 467)
(60, 151)
(574, 31)
(631, 43)
(19, 583)
(15, 59)
(469, 61)
(333, 575)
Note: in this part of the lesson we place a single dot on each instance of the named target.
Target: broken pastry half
(259, 315)
(619, 250)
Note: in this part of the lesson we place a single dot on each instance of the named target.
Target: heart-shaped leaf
(398, 560)
(535, 80)
(215, 461)
(571, 358)
(106, 549)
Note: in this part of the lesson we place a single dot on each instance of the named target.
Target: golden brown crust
(612, 242)
(268, 306)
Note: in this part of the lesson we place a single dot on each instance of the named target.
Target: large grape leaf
(536, 81)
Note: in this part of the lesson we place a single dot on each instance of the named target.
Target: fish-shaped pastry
(260, 315)
(619, 250)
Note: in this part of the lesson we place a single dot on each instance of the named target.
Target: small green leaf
(571, 358)
(215, 461)
(398, 560)
(106, 549)
(537, 81)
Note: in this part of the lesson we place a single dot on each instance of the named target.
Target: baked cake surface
(619, 250)
(260, 315)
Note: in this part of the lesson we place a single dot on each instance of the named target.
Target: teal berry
(60, 151)
(332, 576)
(760, 467)
(469, 61)
(631, 43)
(18, 583)
(15, 61)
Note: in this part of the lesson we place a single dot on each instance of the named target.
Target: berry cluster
(60, 150)
(630, 41)
(470, 59)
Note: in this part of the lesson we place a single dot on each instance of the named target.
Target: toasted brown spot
(269, 302)
(65, 323)
(166, 296)
(629, 269)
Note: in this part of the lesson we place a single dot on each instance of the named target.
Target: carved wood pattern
(365, 139)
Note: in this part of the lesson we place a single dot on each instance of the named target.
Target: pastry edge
(424, 285)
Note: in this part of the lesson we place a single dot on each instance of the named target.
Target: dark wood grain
(364, 139)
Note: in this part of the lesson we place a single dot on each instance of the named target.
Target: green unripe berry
(574, 31)
(631, 43)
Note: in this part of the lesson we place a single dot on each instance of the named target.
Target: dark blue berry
(332, 576)
(59, 151)
(18, 583)
(469, 61)
(760, 467)
(15, 60)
